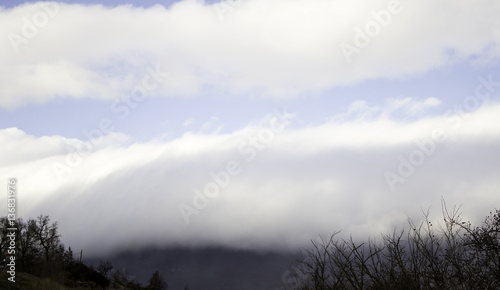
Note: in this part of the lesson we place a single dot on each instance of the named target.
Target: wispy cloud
(209, 124)
(188, 122)
(406, 106)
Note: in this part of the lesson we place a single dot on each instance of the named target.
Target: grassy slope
(29, 282)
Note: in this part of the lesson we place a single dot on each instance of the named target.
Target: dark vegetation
(454, 255)
(42, 261)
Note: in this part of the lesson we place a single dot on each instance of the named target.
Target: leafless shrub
(454, 255)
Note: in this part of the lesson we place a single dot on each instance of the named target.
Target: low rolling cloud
(285, 184)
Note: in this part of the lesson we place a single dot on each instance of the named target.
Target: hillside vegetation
(33, 257)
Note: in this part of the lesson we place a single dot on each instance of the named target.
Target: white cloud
(408, 106)
(188, 122)
(265, 48)
(305, 181)
(411, 106)
(209, 124)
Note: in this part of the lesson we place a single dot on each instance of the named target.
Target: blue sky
(166, 116)
(145, 3)
(188, 87)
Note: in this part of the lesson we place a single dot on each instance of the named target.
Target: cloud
(412, 107)
(294, 183)
(277, 48)
(209, 124)
(406, 106)
(188, 122)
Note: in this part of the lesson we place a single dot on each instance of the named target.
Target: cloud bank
(291, 183)
(263, 48)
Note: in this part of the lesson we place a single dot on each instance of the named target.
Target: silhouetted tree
(157, 282)
(39, 252)
(104, 267)
(47, 236)
(4, 225)
(26, 249)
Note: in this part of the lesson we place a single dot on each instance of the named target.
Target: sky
(251, 124)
